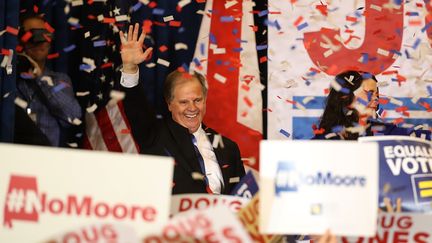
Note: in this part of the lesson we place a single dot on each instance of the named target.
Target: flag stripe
(93, 134)
(134, 147)
(109, 135)
(125, 141)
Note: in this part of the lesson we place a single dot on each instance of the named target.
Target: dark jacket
(168, 138)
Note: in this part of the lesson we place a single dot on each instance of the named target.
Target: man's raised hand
(132, 52)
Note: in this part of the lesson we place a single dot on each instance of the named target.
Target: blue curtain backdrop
(8, 18)
(86, 45)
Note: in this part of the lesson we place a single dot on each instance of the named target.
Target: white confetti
(180, 46)
(168, 18)
(117, 95)
(307, 99)
(48, 80)
(219, 51)
(74, 121)
(87, 34)
(383, 52)
(396, 101)
(229, 4)
(92, 108)
(197, 176)
(75, 3)
(183, 3)
(376, 7)
(80, 94)
(219, 78)
(217, 141)
(121, 18)
(163, 62)
(21, 103)
(151, 65)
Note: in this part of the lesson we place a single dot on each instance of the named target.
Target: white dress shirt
(212, 168)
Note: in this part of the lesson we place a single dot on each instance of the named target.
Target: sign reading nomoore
(321, 184)
(47, 191)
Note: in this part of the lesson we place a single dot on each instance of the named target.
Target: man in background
(46, 96)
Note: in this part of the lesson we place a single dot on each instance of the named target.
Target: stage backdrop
(311, 41)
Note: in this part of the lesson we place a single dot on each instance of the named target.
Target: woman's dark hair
(338, 111)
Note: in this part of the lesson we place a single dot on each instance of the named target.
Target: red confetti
(200, 1)
(398, 120)
(383, 101)
(5, 52)
(107, 65)
(125, 131)
(225, 166)
(263, 59)
(152, 5)
(254, 28)
(351, 19)
(147, 24)
(53, 55)
(12, 30)
(49, 27)
(26, 36)
(19, 48)
(163, 48)
(35, 9)
(159, 23)
(298, 20)
(291, 101)
(108, 20)
(175, 23)
(322, 8)
(248, 101)
(245, 87)
(426, 105)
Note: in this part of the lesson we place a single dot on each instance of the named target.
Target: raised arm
(140, 115)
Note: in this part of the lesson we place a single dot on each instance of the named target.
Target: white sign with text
(46, 191)
(308, 187)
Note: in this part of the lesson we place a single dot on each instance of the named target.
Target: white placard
(47, 191)
(308, 187)
(399, 227)
(216, 224)
(186, 202)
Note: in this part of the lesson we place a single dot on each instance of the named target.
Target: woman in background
(351, 110)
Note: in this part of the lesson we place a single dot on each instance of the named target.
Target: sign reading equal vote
(47, 191)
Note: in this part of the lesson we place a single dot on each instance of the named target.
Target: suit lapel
(183, 145)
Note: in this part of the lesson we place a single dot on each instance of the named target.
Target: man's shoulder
(57, 76)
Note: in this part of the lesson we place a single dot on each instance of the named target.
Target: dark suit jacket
(168, 138)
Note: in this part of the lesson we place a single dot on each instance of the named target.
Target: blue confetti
(429, 89)
(238, 49)
(407, 54)
(427, 26)
(285, 133)
(212, 38)
(202, 49)
(136, 6)
(365, 58)
(26, 75)
(413, 14)
(84, 67)
(263, 13)
(185, 67)
(181, 29)
(344, 90)
(158, 11)
(398, 2)
(69, 48)
(416, 43)
(99, 43)
(261, 47)
(367, 75)
(59, 87)
(196, 61)
(337, 129)
(272, 24)
(302, 26)
(218, 62)
(234, 31)
(225, 19)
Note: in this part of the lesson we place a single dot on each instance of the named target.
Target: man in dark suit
(204, 160)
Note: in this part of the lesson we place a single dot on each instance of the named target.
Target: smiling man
(200, 167)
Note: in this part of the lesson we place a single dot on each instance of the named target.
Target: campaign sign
(398, 227)
(249, 216)
(46, 191)
(308, 187)
(216, 224)
(405, 171)
(97, 233)
(247, 187)
(186, 202)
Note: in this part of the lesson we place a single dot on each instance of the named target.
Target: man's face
(39, 51)
(188, 103)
